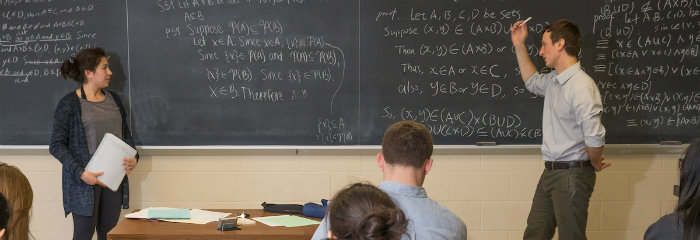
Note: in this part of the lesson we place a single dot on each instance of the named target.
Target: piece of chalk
(528, 19)
(670, 143)
(486, 143)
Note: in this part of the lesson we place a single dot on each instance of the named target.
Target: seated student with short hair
(407, 148)
(684, 222)
(362, 211)
(18, 195)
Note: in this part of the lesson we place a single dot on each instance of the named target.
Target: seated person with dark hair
(362, 211)
(407, 148)
(684, 222)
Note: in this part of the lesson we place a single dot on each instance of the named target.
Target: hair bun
(382, 224)
(69, 68)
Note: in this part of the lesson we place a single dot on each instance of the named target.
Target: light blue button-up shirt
(571, 115)
(427, 218)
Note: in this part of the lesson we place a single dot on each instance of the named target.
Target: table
(145, 229)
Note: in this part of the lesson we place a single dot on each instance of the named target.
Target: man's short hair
(407, 143)
(567, 30)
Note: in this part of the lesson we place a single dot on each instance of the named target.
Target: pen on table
(521, 24)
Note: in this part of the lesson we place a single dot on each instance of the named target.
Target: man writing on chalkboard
(572, 133)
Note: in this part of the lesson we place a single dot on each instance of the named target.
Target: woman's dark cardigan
(69, 146)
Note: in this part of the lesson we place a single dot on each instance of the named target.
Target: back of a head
(689, 192)
(567, 30)
(75, 67)
(362, 211)
(15, 187)
(407, 143)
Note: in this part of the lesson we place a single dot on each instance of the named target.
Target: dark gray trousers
(105, 215)
(561, 200)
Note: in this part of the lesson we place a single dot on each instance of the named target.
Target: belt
(566, 164)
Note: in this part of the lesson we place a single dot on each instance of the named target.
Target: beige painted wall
(490, 192)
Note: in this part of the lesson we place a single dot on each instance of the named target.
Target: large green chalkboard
(325, 72)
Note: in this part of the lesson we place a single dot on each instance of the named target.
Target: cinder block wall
(490, 190)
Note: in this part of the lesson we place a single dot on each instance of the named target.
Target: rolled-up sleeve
(589, 108)
(537, 83)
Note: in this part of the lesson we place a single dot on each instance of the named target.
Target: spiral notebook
(108, 158)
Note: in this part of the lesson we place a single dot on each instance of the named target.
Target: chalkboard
(35, 37)
(331, 72)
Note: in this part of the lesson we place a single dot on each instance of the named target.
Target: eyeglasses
(676, 189)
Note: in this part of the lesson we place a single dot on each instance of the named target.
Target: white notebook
(108, 158)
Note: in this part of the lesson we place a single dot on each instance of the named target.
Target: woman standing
(16, 197)
(81, 120)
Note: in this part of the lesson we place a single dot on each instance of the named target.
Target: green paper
(291, 221)
(169, 213)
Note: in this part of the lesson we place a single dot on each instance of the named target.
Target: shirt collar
(398, 188)
(568, 73)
